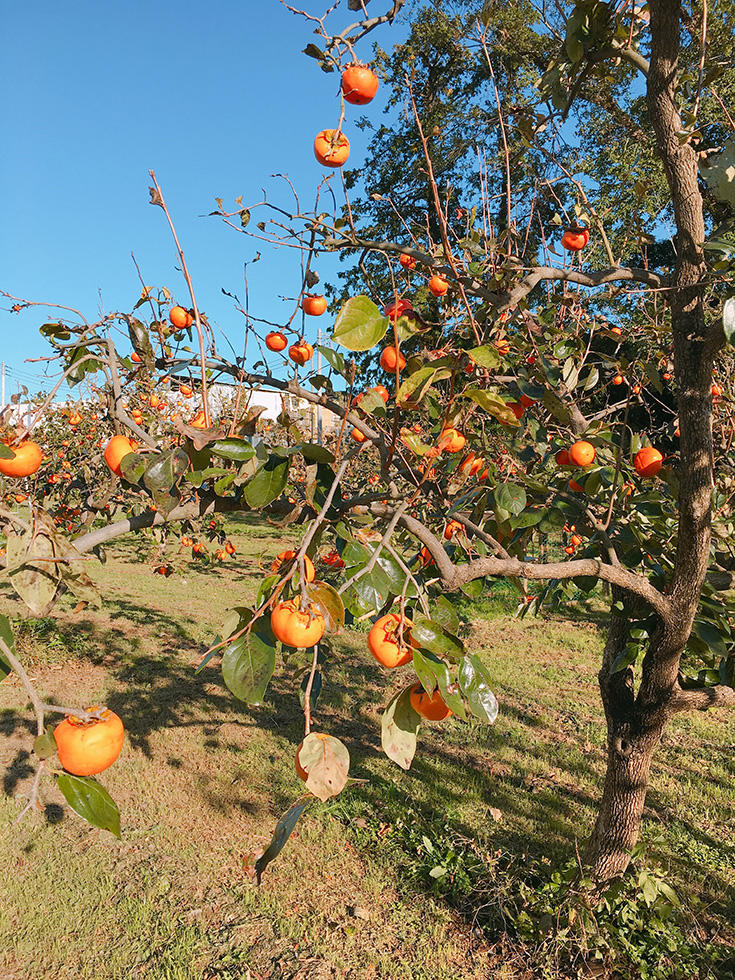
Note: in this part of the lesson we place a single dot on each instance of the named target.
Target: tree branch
(701, 698)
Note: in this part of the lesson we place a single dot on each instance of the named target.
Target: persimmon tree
(545, 412)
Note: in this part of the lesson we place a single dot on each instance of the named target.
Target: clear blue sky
(213, 96)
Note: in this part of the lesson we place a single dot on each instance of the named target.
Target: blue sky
(214, 97)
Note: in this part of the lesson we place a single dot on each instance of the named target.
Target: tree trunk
(621, 808)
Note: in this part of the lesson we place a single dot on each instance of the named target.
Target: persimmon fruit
(300, 771)
(438, 286)
(648, 461)
(451, 441)
(313, 305)
(582, 453)
(359, 84)
(180, 318)
(331, 148)
(295, 627)
(575, 239)
(451, 529)
(429, 706)
(27, 459)
(88, 747)
(276, 341)
(407, 261)
(383, 641)
(301, 352)
(117, 449)
(397, 308)
(390, 357)
(287, 556)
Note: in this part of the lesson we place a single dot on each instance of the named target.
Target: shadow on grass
(153, 690)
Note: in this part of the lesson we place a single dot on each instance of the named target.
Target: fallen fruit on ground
(88, 747)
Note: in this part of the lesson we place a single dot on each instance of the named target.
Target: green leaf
(359, 325)
(474, 681)
(81, 364)
(398, 729)
(268, 483)
(512, 498)
(163, 471)
(314, 453)
(485, 356)
(417, 384)
(44, 746)
(718, 169)
(36, 585)
(141, 341)
(318, 490)
(445, 614)
(626, 657)
(284, 829)
(6, 634)
(132, 467)
(91, 801)
(249, 661)
(434, 672)
(6, 452)
(493, 404)
(728, 319)
(327, 600)
(433, 637)
(238, 449)
(334, 359)
(327, 764)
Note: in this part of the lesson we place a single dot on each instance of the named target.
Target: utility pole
(2, 384)
(319, 370)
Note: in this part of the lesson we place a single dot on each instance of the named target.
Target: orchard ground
(407, 875)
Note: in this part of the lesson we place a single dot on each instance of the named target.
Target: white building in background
(312, 418)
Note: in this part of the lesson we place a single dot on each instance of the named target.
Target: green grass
(405, 875)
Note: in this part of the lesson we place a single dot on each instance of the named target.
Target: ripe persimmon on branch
(494, 443)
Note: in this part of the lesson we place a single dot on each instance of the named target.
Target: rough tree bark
(635, 723)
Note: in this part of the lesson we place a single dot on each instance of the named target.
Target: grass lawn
(406, 875)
